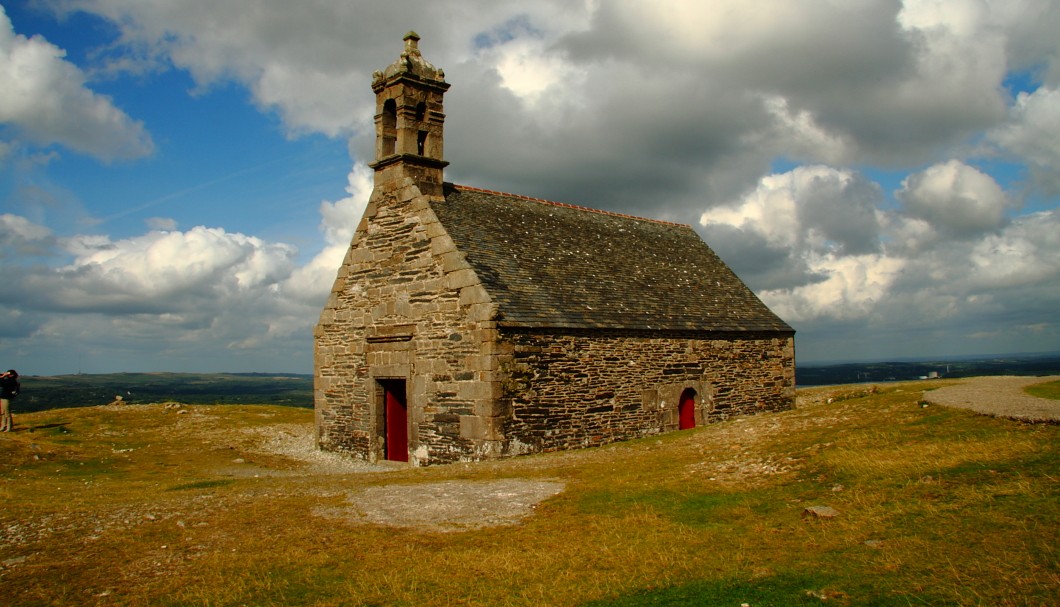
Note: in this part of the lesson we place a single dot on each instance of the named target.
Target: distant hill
(864, 372)
(288, 389)
(40, 393)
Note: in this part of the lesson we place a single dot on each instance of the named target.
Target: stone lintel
(391, 333)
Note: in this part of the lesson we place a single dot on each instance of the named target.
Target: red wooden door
(686, 410)
(397, 422)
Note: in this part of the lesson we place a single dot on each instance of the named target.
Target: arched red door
(396, 421)
(686, 410)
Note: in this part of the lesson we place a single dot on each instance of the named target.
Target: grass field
(1045, 390)
(143, 505)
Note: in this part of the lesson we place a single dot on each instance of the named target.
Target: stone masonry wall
(407, 306)
(571, 390)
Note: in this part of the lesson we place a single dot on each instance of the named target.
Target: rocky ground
(465, 505)
(459, 505)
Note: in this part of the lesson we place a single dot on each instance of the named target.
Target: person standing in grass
(9, 388)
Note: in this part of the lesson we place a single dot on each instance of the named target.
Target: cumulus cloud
(161, 272)
(339, 219)
(696, 98)
(21, 237)
(1032, 133)
(169, 293)
(678, 114)
(526, 64)
(809, 210)
(311, 283)
(1025, 254)
(948, 259)
(47, 101)
(825, 223)
(165, 224)
(852, 289)
(956, 199)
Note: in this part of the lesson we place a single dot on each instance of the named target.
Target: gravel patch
(999, 396)
(298, 442)
(447, 506)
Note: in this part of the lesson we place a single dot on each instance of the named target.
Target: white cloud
(698, 97)
(339, 219)
(1032, 134)
(955, 199)
(799, 133)
(853, 288)
(1024, 254)
(311, 283)
(162, 272)
(813, 209)
(530, 67)
(629, 107)
(184, 297)
(46, 99)
(19, 236)
(162, 224)
(825, 221)
(945, 264)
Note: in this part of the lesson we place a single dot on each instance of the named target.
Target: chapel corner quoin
(466, 324)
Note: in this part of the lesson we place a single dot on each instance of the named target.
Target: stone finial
(412, 42)
(411, 62)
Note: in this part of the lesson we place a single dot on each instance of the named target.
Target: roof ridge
(568, 205)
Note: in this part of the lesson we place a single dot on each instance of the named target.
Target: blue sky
(179, 181)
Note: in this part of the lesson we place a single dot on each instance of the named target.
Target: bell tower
(408, 120)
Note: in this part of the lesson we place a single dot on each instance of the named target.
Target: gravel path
(1000, 396)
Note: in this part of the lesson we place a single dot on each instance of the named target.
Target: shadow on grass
(61, 426)
(773, 591)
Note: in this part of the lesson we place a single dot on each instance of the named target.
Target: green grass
(1045, 390)
(140, 506)
(782, 590)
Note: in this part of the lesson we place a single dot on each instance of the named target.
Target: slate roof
(550, 265)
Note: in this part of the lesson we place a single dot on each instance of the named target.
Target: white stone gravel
(999, 396)
(446, 506)
(298, 442)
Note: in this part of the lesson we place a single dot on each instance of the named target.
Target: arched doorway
(395, 420)
(686, 410)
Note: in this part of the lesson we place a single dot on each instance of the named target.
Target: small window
(421, 143)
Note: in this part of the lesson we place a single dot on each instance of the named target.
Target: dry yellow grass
(149, 506)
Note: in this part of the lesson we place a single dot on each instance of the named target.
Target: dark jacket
(9, 387)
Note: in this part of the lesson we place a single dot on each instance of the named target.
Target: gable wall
(406, 306)
(591, 388)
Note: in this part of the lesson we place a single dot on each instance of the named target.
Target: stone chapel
(466, 324)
